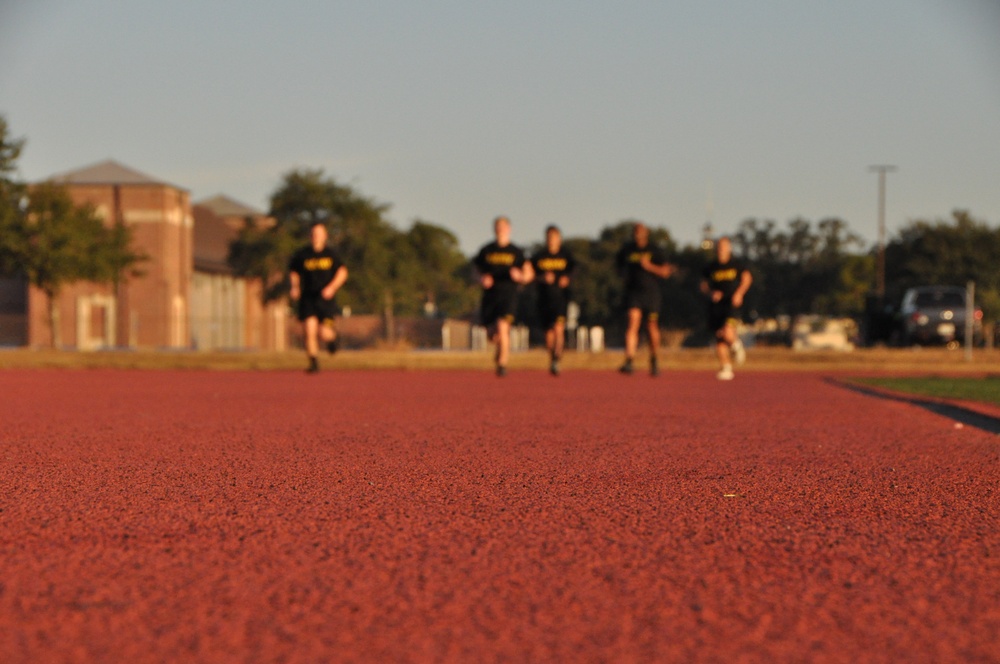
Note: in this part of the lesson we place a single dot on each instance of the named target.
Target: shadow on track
(959, 414)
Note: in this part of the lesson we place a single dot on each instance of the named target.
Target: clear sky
(574, 112)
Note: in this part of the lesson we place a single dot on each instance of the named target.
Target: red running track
(453, 516)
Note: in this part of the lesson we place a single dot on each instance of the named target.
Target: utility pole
(707, 239)
(880, 259)
(970, 318)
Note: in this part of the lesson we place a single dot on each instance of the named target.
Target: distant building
(228, 311)
(185, 297)
(150, 310)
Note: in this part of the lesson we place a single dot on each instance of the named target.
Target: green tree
(357, 230)
(804, 269)
(10, 151)
(438, 272)
(53, 242)
(262, 251)
(11, 196)
(115, 256)
(391, 272)
(852, 283)
(838, 276)
(683, 303)
(947, 253)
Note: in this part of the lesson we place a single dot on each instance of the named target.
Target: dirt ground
(892, 360)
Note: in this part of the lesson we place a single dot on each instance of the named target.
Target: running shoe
(554, 368)
(654, 367)
(726, 373)
(313, 366)
(333, 346)
(626, 368)
(501, 371)
(739, 353)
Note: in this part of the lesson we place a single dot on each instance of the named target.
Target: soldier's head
(553, 238)
(640, 233)
(724, 249)
(501, 228)
(318, 235)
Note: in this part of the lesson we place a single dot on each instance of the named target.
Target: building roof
(110, 172)
(217, 222)
(224, 206)
(211, 238)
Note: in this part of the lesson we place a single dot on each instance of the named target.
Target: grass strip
(986, 390)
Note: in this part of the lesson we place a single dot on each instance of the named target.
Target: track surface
(453, 516)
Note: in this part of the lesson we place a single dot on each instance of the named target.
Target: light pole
(880, 257)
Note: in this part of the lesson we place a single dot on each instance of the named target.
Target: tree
(947, 253)
(11, 195)
(391, 271)
(356, 229)
(10, 151)
(115, 257)
(50, 241)
(803, 270)
(53, 242)
(684, 305)
(261, 251)
(439, 272)
(852, 284)
(840, 276)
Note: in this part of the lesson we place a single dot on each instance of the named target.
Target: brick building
(150, 310)
(185, 296)
(228, 311)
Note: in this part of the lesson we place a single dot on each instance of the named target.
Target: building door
(95, 322)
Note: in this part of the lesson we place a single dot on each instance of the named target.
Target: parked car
(935, 315)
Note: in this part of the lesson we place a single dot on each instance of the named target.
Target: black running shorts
(552, 308)
(499, 302)
(649, 302)
(721, 314)
(316, 306)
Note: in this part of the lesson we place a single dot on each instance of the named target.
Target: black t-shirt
(497, 261)
(725, 277)
(638, 279)
(560, 264)
(315, 268)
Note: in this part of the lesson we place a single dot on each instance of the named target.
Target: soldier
(553, 267)
(725, 282)
(316, 274)
(643, 266)
(502, 270)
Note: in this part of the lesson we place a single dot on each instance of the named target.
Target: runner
(316, 274)
(553, 267)
(643, 267)
(502, 269)
(725, 282)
